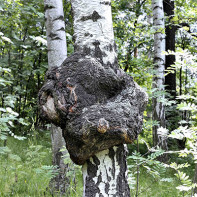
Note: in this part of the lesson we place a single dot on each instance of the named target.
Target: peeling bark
(159, 67)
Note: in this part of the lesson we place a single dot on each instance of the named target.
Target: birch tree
(98, 106)
(159, 77)
(57, 53)
(93, 28)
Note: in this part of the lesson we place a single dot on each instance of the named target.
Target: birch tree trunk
(159, 77)
(57, 53)
(105, 174)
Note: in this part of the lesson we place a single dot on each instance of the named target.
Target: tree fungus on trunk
(97, 105)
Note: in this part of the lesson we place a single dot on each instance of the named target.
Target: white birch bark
(93, 26)
(159, 68)
(55, 30)
(57, 53)
(105, 174)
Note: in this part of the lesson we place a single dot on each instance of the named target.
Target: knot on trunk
(97, 108)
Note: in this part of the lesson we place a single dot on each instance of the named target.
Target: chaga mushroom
(96, 107)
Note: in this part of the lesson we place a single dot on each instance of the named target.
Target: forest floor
(26, 170)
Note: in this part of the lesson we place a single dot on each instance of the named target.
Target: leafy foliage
(25, 164)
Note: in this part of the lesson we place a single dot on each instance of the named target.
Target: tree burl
(96, 106)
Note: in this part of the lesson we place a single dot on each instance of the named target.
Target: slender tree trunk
(170, 79)
(104, 174)
(170, 30)
(159, 68)
(57, 53)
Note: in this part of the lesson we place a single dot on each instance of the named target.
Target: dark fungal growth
(96, 107)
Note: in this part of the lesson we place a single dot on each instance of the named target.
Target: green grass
(157, 182)
(154, 187)
(26, 170)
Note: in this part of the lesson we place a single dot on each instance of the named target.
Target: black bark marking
(108, 177)
(96, 160)
(54, 36)
(158, 59)
(109, 47)
(157, 7)
(59, 18)
(94, 16)
(47, 7)
(106, 3)
(122, 184)
(98, 52)
(61, 29)
(92, 169)
(107, 188)
(88, 34)
(91, 188)
(111, 155)
(83, 91)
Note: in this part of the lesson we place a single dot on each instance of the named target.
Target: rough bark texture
(159, 68)
(96, 107)
(107, 181)
(60, 182)
(57, 53)
(96, 104)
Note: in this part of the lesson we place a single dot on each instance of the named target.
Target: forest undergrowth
(26, 170)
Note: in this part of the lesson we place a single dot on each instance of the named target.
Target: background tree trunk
(170, 79)
(57, 53)
(170, 30)
(105, 174)
(159, 78)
